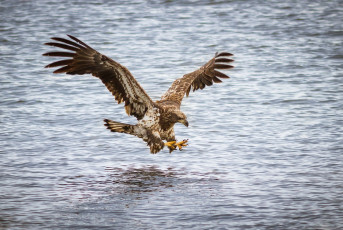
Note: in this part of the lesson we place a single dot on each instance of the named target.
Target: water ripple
(265, 145)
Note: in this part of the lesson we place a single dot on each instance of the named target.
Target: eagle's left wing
(206, 75)
(119, 81)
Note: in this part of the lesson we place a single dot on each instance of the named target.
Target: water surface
(265, 145)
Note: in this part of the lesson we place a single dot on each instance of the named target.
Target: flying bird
(156, 119)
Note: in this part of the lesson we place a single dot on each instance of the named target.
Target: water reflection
(141, 180)
(118, 181)
(132, 182)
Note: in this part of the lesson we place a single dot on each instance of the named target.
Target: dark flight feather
(68, 42)
(62, 70)
(59, 54)
(224, 60)
(222, 66)
(79, 41)
(59, 63)
(63, 46)
(220, 74)
(224, 54)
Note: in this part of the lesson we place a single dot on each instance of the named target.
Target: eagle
(156, 119)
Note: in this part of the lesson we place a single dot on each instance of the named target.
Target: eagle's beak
(185, 122)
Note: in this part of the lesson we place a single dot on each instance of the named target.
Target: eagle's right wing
(198, 79)
(118, 79)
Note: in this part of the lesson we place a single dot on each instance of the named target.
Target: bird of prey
(156, 119)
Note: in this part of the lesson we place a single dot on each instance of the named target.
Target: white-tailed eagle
(156, 119)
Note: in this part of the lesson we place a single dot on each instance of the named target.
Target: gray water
(265, 146)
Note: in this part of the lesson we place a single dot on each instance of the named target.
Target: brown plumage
(155, 119)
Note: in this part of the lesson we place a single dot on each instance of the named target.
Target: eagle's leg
(171, 145)
(182, 144)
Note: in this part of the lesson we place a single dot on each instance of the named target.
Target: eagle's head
(180, 117)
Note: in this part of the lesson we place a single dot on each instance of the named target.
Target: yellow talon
(182, 144)
(172, 145)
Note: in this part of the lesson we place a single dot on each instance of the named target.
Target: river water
(266, 145)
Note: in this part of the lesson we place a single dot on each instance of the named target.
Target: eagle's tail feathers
(151, 138)
(118, 127)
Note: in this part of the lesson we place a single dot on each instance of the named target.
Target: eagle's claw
(172, 145)
(182, 144)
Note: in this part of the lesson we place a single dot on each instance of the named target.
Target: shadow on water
(141, 180)
(125, 197)
(130, 182)
(126, 181)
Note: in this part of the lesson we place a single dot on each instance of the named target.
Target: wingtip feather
(59, 54)
(79, 41)
(222, 66)
(60, 63)
(220, 74)
(62, 70)
(224, 60)
(223, 54)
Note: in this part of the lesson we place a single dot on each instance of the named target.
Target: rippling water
(265, 146)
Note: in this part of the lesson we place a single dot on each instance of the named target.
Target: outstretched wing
(119, 81)
(206, 75)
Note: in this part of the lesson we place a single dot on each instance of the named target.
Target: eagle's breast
(151, 119)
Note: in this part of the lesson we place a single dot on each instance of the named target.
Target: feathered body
(156, 119)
